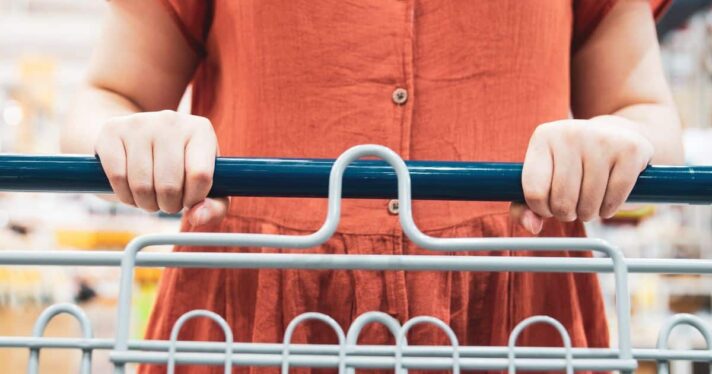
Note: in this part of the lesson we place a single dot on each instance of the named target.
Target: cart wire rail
(23, 173)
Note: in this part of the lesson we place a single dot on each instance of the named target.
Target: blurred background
(45, 46)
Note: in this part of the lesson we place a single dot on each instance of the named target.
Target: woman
(432, 80)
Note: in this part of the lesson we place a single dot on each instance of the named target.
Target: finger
(208, 212)
(596, 171)
(112, 155)
(168, 174)
(537, 172)
(200, 152)
(139, 160)
(526, 218)
(623, 176)
(565, 183)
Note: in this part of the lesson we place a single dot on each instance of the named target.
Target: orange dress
(432, 80)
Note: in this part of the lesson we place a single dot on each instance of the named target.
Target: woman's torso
(311, 78)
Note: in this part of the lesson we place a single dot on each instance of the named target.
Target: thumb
(208, 212)
(525, 217)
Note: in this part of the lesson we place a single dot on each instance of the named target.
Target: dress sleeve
(589, 13)
(193, 18)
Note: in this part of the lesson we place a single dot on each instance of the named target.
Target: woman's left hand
(580, 169)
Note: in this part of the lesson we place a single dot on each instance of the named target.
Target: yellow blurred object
(148, 275)
(631, 214)
(147, 281)
(142, 306)
(639, 212)
(93, 239)
(36, 96)
(37, 74)
(645, 297)
(20, 276)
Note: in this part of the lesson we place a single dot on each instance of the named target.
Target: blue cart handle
(277, 177)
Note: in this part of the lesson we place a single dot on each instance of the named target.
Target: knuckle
(112, 127)
(200, 177)
(149, 208)
(535, 195)
(630, 147)
(147, 204)
(169, 189)
(204, 127)
(167, 116)
(189, 201)
(570, 133)
(585, 212)
(203, 122)
(116, 177)
(544, 129)
(562, 209)
(647, 150)
(101, 148)
(620, 183)
(172, 210)
(539, 130)
(602, 141)
(127, 200)
(171, 207)
(142, 189)
(608, 209)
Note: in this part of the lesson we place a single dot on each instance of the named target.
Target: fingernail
(527, 222)
(200, 216)
(538, 226)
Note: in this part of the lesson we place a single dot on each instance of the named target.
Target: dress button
(393, 207)
(400, 96)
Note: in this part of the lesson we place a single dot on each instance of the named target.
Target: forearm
(659, 124)
(92, 106)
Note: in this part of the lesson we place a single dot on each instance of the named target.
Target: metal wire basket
(465, 181)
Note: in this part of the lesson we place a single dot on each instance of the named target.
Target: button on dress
(460, 80)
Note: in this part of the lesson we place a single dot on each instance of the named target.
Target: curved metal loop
(367, 318)
(540, 319)
(313, 316)
(409, 228)
(41, 324)
(681, 319)
(187, 317)
(401, 341)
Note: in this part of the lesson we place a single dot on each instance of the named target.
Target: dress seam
(397, 233)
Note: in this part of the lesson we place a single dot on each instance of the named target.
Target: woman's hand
(162, 160)
(580, 169)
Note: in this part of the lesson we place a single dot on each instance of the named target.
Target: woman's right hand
(162, 161)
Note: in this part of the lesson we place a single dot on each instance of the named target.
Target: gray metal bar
(521, 326)
(401, 341)
(392, 324)
(287, 340)
(377, 362)
(41, 324)
(677, 320)
(643, 354)
(227, 332)
(353, 262)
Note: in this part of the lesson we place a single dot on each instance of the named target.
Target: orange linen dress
(432, 80)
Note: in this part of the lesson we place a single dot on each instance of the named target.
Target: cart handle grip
(366, 179)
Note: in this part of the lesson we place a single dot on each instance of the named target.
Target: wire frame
(347, 355)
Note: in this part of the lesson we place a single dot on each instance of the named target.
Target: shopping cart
(349, 177)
